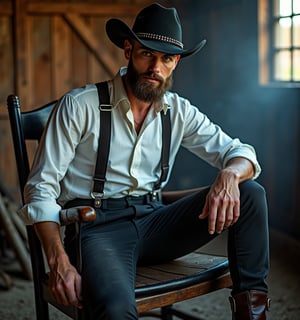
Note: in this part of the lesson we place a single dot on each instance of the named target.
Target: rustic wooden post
(22, 78)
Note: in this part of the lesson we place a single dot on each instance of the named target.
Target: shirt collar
(119, 97)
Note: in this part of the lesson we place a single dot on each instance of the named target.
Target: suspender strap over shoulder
(165, 150)
(104, 145)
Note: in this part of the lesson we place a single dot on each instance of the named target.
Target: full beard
(146, 91)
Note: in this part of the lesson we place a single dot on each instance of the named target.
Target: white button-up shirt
(64, 164)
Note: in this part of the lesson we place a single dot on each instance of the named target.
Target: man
(131, 224)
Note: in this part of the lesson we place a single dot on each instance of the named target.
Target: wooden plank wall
(49, 47)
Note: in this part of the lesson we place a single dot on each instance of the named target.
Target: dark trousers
(112, 247)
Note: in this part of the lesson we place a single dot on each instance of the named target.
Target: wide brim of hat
(118, 31)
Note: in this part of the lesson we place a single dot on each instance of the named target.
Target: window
(279, 41)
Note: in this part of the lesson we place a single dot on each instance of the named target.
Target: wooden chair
(157, 287)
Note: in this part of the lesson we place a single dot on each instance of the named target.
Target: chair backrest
(29, 126)
(26, 126)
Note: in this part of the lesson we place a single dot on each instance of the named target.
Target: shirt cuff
(249, 154)
(40, 211)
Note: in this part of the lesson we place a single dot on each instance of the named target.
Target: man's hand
(222, 205)
(65, 282)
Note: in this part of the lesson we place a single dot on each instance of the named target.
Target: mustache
(152, 75)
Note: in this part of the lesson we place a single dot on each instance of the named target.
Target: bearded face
(145, 90)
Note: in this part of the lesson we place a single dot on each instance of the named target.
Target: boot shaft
(249, 305)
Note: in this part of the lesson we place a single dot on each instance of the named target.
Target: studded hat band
(160, 38)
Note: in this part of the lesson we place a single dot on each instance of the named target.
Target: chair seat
(165, 284)
(184, 278)
(186, 271)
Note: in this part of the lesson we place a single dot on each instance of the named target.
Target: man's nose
(155, 65)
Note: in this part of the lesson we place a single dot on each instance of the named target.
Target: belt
(116, 203)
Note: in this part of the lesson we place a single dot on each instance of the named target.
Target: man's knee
(253, 199)
(253, 190)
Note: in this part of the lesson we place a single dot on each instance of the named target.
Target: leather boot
(249, 305)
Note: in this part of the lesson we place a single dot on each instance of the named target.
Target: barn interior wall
(49, 47)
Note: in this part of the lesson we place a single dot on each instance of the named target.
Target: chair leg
(42, 309)
(167, 313)
(164, 313)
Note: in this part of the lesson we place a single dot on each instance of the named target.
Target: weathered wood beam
(86, 35)
(6, 8)
(60, 53)
(22, 74)
(82, 8)
(99, 9)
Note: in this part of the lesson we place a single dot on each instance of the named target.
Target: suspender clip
(97, 199)
(155, 195)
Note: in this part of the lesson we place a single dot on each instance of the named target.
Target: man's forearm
(49, 235)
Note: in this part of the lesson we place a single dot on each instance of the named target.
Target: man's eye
(168, 58)
(147, 53)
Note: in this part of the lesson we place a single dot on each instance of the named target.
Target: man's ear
(177, 59)
(127, 49)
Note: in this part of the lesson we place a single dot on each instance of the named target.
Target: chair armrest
(77, 214)
(171, 196)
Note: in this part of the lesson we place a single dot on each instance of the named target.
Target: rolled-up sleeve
(40, 211)
(243, 150)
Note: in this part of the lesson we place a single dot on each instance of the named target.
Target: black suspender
(165, 150)
(104, 145)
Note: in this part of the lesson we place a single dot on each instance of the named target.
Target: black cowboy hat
(155, 27)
